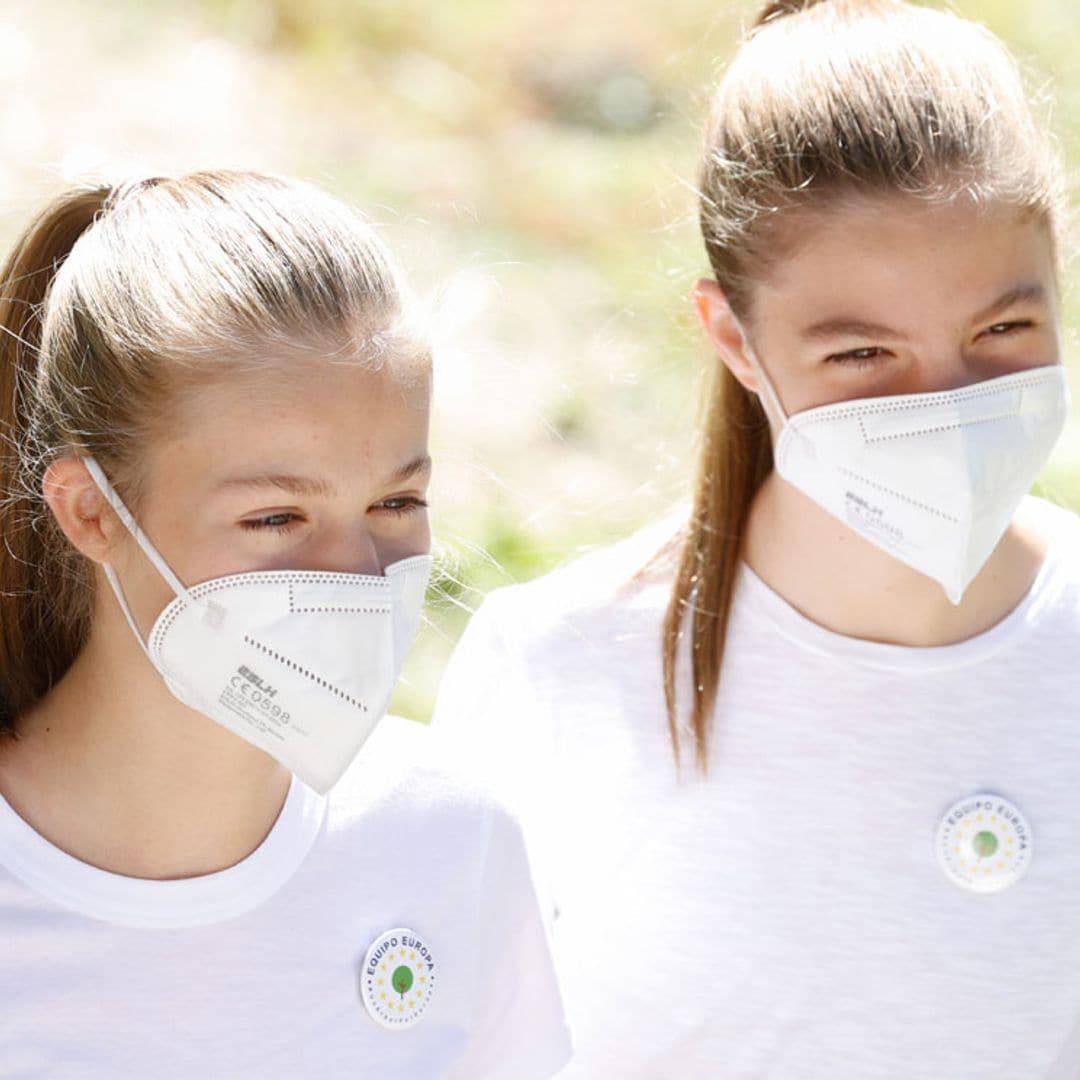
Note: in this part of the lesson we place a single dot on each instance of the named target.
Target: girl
(801, 767)
(215, 554)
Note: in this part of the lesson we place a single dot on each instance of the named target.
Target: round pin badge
(984, 843)
(398, 978)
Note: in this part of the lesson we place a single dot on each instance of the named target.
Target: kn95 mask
(933, 479)
(300, 663)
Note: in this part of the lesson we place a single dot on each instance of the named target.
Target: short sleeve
(490, 720)
(520, 1031)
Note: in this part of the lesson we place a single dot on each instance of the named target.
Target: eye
(1002, 328)
(400, 505)
(858, 358)
(279, 522)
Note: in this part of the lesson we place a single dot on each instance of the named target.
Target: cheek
(1040, 350)
(408, 536)
(146, 591)
(799, 389)
(832, 385)
(194, 546)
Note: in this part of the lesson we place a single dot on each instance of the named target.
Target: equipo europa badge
(984, 843)
(398, 978)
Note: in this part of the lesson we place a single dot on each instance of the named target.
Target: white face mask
(300, 663)
(933, 479)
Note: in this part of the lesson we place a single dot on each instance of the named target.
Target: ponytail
(43, 611)
(779, 8)
(736, 456)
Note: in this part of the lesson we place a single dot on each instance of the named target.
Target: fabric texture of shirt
(786, 916)
(255, 971)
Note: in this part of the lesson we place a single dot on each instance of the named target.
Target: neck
(111, 768)
(841, 581)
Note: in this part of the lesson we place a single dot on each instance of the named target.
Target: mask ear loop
(143, 541)
(769, 391)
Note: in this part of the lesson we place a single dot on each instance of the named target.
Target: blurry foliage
(532, 162)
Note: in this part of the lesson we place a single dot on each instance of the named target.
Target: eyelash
(410, 505)
(855, 358)
(1002, 328)
(263, 524)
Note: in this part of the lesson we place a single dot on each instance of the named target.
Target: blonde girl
(214, 467)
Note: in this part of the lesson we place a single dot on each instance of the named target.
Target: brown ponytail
(871, 96)
(43, 591)
(736, 456)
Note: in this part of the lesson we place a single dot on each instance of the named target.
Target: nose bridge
(949, 367)
(368, 554)
(353, 550)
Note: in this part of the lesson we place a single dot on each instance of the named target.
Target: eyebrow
(847, 327)
(1021, 294)
(294, 485)
(308, 486)
(413, 468)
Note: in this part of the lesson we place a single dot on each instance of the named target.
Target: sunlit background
(531, 162)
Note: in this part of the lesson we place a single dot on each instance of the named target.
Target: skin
(952, 294)
(109, 766)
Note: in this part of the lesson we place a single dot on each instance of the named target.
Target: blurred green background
(530, 161)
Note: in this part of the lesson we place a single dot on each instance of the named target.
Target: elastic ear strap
(132, 527)
(768, 388)
(766, 383)
(118, 592)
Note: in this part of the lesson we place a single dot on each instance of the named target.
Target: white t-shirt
(788, 916)
(256, 971)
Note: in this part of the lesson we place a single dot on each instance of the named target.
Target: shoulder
(1052, 606)
(1050, 518)
(404, 779)
(595, 587)
(1059, 531)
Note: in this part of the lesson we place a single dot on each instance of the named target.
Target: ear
(81, 510)
(723, 331)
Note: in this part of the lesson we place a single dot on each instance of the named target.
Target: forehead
(345, 422)
(901, 254)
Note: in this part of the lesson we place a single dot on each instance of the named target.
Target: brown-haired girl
(801, 768)
(214, 466)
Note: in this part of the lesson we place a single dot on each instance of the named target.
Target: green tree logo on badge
(983, 843)
(402, 980)
(397, 979)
